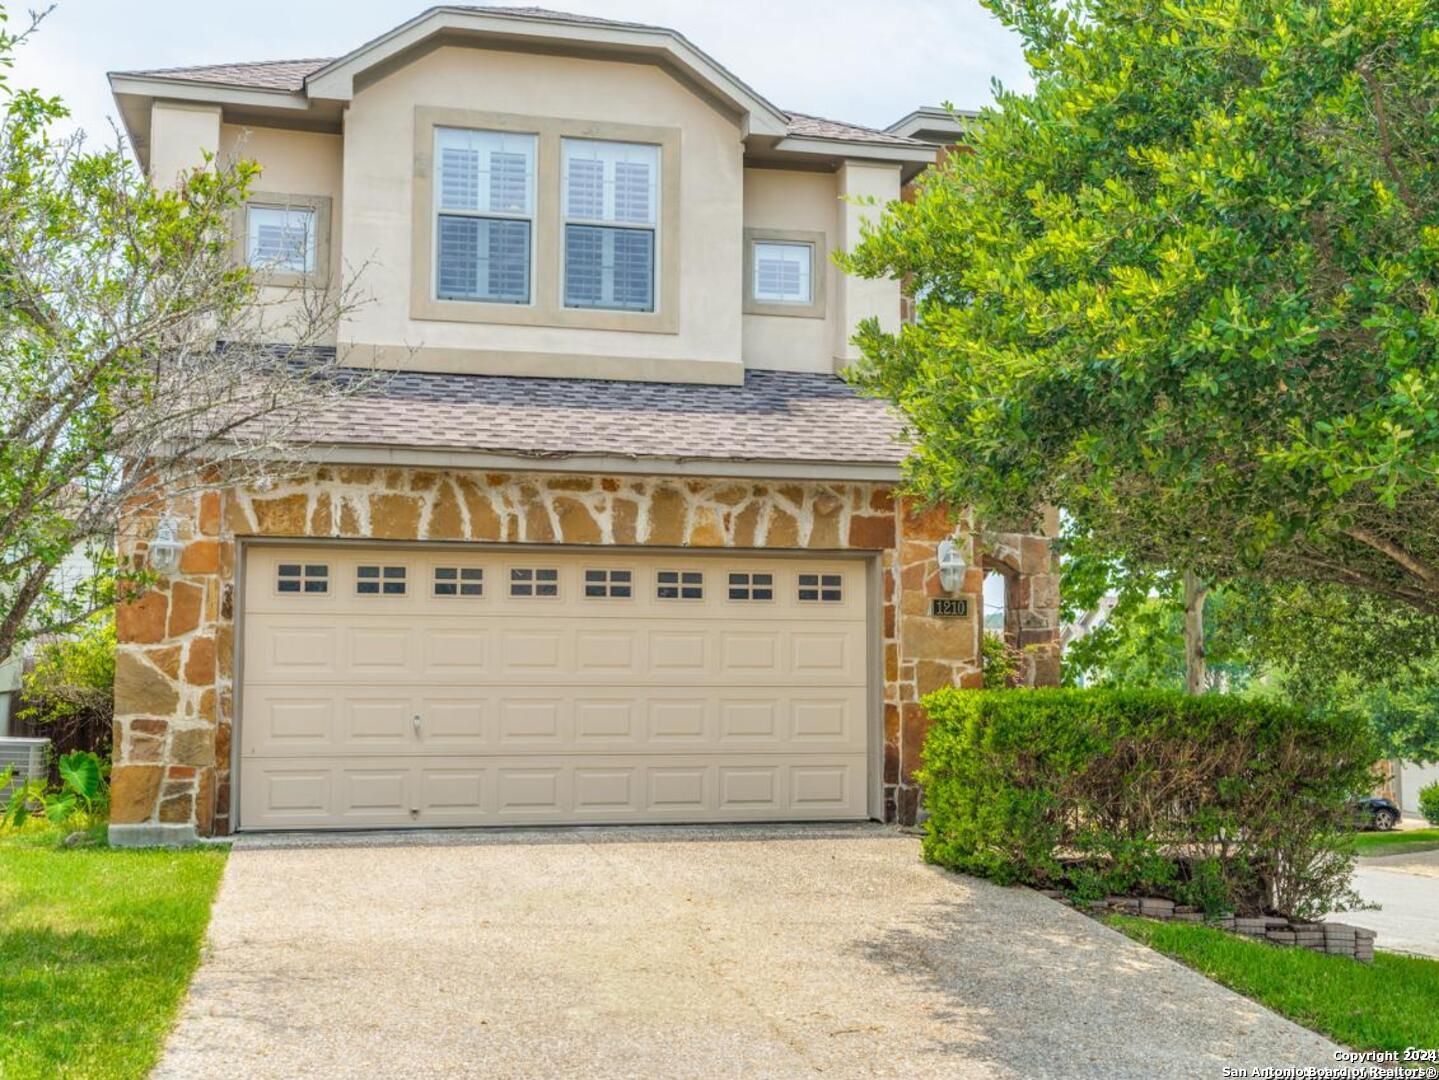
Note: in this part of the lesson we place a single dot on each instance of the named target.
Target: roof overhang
(319, 105)
(429, 457)
(135, 94)
(336, 81)
(912, 160)
(931, 124)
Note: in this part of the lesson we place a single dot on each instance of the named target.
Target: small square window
(611, 584)
(680, 585)
(783, 272)
(534, 581)
(380, 580)
(821, 588)
(302, 578)
(459, 581)
(280, 238)
(751, 586)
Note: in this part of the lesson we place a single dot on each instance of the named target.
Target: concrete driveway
(1406, 888)
(681, 953)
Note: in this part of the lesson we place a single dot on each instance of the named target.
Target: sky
(866, 61)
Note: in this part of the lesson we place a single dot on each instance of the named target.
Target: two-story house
(616, 543)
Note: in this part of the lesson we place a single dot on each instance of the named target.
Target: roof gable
(498, 26)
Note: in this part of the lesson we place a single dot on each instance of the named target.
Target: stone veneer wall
(175, 670)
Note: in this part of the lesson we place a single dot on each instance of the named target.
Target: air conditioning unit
(29, 756)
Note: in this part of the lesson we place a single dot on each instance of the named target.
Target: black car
(1376, 812)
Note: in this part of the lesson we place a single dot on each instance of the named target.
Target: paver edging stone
(1333, 938)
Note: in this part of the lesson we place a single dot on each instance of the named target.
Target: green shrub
(82, 793)
(1221, 802)
(69, 696)
(1429, 802)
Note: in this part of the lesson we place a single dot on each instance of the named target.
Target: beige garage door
(403, 687)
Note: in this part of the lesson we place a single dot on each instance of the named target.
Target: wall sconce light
(951, 566)
(165, 549)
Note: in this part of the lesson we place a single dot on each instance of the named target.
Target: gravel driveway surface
(666, 952)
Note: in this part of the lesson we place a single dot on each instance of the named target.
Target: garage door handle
(417, 723)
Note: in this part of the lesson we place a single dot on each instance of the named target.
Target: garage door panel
(608, 720)
(441, 709)
(460, 651)
(383, 723)
(529, 720)
(453, 794)
(327, 721)
(610, 653)
(281, 794)
(386, 651)
(292, 651)
(455, 721)
(524, 651)
(374, 792)
(745, 652)
(287, 724)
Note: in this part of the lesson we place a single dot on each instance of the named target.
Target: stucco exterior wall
(790, 199)
(302, 165)
(380, 174)
(865, 188)
(176, 662)
(181, 133)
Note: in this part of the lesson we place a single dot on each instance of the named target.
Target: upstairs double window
(485, 199)
(611, 192)
(497, 203)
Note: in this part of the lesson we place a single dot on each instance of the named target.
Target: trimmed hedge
(1225, 803)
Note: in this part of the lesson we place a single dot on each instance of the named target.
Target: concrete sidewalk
(669, 952)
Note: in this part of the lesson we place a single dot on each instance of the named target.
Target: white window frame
(310, 250)
(612, 224)
(750, 585)
(818, 244)
(820, 587)
(608, 582)
(534, 582)
(679, 585)
(529, 216)
(385, 577)
(309, 573)
(475, 581)
(784, 249)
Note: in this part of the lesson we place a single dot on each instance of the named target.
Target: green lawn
(96, 949)
(1395, 843)
(1388, 1005)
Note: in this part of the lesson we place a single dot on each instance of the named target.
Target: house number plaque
(949, 607)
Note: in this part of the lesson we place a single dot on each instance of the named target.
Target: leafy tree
(1188, 290)
(71, 688)
(125, 373)
(1329, 649)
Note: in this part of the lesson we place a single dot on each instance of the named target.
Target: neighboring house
(1408, 779)
(76, 570)
(618, 544)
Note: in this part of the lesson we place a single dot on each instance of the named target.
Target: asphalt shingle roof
(290, 75)
(773, 416)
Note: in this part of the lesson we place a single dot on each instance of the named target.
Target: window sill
(425, 309)
(789, 311)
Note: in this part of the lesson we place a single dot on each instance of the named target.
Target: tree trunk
(1194, 594)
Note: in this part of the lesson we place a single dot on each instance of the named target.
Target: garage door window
(611, 584)
(302, 578)
(680, 585)
(751, 586)
(821, 588)
(459, 581)
(530, 581)
(380, 580)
